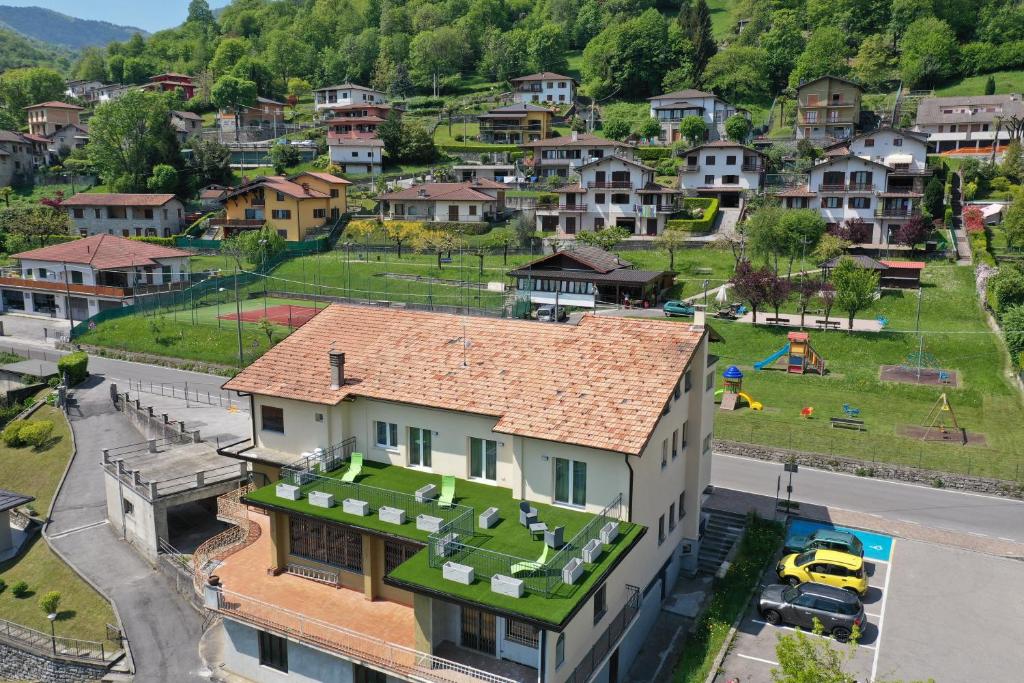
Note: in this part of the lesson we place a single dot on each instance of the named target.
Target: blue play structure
(760, 365)
(850, 410)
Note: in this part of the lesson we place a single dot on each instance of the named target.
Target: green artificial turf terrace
(507, 537)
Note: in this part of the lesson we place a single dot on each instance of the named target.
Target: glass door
(419, 446)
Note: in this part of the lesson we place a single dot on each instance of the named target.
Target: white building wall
(883, 148)
(718, 168)
(354, 157)
(551, 91)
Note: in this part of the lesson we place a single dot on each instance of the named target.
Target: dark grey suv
(838, 610)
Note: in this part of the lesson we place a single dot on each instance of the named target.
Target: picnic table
(828, 324)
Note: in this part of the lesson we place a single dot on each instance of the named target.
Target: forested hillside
(17, 50)
(54, 28)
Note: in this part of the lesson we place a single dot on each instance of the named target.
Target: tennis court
(283, 314)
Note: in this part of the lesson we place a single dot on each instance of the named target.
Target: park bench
(848, 423)
(703, 271)
(828, 324)
(776, 321)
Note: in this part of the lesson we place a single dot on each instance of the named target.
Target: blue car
(825, 539)
(675, 307)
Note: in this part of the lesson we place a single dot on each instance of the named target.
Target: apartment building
(828, 109)
(297, 207)
(546, 87)
(671, 108)
(959, 122)
(355, 120)
(472, 201)
(564, 155)
(515, 124)
(507, 520)
(356, 155)
(70, 137)
(46, 118)
(126, 215)
(78, 279)
(264, 113)
(169, 82)
(722, 169)
(612, 191)
(904, 152)
(333, 96)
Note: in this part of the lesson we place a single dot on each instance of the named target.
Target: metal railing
(390, 656)
(580, 208)
(242, 533)
(612, 512)
(326, 460)
(611, 184)
(198, 393)
(609, 639)
(313, 574)
(59, 645)
(897, 213)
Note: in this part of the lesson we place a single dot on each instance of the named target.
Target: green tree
(629, 58)
(874, 64)
(825, 54)
(210, 163)
(199, 13)
(855, 287)
(616, 129)
(782, 43)
(233, 94)
(807, 658)
(933, 195)
(91, 65)
(606, 239)
(50, 602)
(261, 246)
(20, 88)
(284, 156)
(1013, 332)
(129, 136)
(546, 49)
(672, 240)
(739, 73)
(1013, 161)
(737, 128)
(1013, 224)
(647, 129)
(930, 53)
(696, 22)
(906, 12)
(5, 194)
(229, 52)
(693, 128)
(285, 54)
(1007, 288)
(417, 144)
(439, 52)
(990, 85)
(390, 133)
(163, 179)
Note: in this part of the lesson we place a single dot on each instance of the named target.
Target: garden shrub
(648, 154)
(36, 433)
(50, 602)
(19, 589)
(75, 366)
(162, 241)
(11, 435)
(703, 211)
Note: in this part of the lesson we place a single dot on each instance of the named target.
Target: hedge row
(479, 147)
(701, 225)
(653, 153)
(162, 241)
(75, 366)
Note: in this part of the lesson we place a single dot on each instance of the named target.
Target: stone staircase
(723, 529)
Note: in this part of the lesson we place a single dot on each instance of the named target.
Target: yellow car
(830, 567)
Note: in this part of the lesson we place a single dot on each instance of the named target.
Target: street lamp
(219, 290)
(52, 616)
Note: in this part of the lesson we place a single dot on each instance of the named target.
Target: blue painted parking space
(877, 547)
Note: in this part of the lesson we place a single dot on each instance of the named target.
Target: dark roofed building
(584, 277)
(11, 538)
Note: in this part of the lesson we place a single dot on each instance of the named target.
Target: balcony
(59, 287)
(689, 168)
(610, 184)
(843, 187)
(572, 208)
(897, 212)
(751, 167)
(841, 102)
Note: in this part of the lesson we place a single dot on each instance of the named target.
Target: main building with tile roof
(598, 434)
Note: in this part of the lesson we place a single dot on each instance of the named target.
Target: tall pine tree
(695, 19)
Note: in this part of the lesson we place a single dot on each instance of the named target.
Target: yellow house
(295, 206)
(828, 108)
(515, 124)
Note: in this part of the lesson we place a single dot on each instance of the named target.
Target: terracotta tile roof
(117, 199)
(104, 252)
(542, 76)
(278, 184)
(683, 94)
(36, 138)
(326, 177)
(607, 390)
(582, 140)
(367, 141)
(800, 191)
(55, 105)
(913, 265)
(450, 191)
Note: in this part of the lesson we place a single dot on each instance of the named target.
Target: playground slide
(772, 358)
(754, 405)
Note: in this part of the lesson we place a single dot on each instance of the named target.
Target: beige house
(47, 118)
(575, 496)
(828, 109)
(473, 201)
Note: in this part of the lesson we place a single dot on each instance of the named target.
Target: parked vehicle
(825, 539)
(546, 314)
(832, 568)
(676, 307)
(838, 610)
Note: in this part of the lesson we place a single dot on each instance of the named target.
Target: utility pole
(238, 319)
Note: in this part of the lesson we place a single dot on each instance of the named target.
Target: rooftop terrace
(489, 551)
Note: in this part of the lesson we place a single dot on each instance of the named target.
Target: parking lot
(932, 612)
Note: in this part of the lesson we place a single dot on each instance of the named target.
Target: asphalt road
(971, 513)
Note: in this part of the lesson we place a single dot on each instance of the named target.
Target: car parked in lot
(829, 567)
(825, 539)
(838, 610)
(675, 307)
(547, 314)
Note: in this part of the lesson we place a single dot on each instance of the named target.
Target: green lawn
(83, 612)
(722, 18)
(469, 130)
(32, 195)
(1006, 82)
(507, 537)
(954, 333)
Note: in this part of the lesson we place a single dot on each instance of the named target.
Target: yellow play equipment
(733, 390)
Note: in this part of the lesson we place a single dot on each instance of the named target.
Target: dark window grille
(326, 543)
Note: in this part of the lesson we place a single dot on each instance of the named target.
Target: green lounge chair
(528, 566)
(447, 498)
(355, 466)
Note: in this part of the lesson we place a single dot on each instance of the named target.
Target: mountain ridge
(62, 30)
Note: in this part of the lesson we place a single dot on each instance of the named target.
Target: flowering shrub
(973, 219)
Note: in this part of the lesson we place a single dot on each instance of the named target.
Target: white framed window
(483, 459)
(419, 446)
(664, 453)
(671, 517)
(570, 482)
(675, 444)
(387, 434)
(682, 439)
(661, 529)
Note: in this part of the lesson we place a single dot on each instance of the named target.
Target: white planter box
(592, 551)
(355, 507)
(609, 532)
(572, 571)
(321, 499)
(391, 515)
(288, 492)
(428, 523)
(459, 573)
(506, 585)
(445, 543)
(488, 518)
(426, 493)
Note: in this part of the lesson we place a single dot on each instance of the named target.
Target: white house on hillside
(544, 87)
(722, 169)
(671, 108)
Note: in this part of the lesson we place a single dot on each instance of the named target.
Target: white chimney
(698, 318)
(337, 368)
(575, 136)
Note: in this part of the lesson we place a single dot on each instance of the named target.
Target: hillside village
(508, 341)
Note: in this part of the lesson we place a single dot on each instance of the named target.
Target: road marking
(757, 659)
(62, 534)
(1004, 538)
(809, 633)
(881, 616)
(873, 616)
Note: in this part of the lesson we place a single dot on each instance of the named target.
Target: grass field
(721, 17)
(954, 333)
(1006, 82)
(83, 612)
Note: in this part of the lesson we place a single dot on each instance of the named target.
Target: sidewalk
(163, 631)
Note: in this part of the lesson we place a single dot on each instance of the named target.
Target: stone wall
(17, 664)
(154, 425)
(961, 482)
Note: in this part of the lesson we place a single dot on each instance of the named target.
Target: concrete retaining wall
(17, 664)
(961, 482)
(154, 425)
